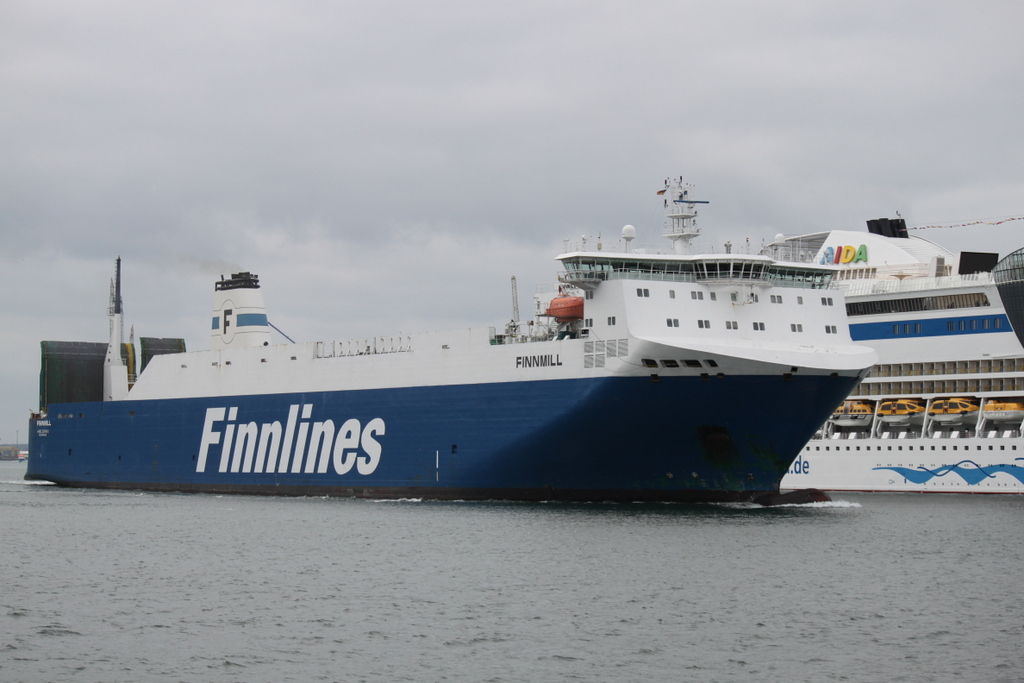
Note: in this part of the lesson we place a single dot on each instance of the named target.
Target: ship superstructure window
(861, 274)
(588, 322)
(697, 295)
(713, 297)
(692, 363)
(776, 299)
(796, 327)
(643, 292)
(759, 327)
(589, 294)
(732, 325)
(672, 322)
(611, 320)
(704, 324)
(670, 363)
(671, 294)
(831, 329)
(649, 363)
(826, 301)
(922, 303)
(800, 300)
(734, 296)
(592, 269)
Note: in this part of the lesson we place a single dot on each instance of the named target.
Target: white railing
(916, 284)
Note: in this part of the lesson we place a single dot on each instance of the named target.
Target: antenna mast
(680, 214)
(515, 301)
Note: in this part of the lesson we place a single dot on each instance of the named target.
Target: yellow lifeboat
(900, 411)
(1004, 411)
(854, 414)
(566, 308)
(952, 409)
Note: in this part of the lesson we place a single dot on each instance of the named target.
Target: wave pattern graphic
(968, 470)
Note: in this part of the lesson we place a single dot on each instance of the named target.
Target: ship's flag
(662, 190)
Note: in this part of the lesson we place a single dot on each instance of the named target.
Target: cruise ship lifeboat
(952, 410)
(900, 411)
(566, 308)
(1004, 411)
(854, 414)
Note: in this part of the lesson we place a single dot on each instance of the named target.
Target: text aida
(299, 446)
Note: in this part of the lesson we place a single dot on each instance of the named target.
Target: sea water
(125, 586)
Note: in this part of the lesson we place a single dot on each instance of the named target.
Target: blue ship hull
(618, 438)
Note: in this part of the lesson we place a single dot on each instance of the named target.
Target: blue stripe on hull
(585, 439)
(930, 327)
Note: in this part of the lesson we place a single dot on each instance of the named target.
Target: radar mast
(680, 214)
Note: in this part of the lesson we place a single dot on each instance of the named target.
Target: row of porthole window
(952, 326)
(734, 296)
(734, 325)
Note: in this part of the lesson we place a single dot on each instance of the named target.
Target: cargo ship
(943, 410)
(644, 375)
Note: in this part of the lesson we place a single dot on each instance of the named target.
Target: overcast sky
(388, 166)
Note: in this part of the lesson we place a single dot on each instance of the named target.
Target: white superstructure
(943, 409)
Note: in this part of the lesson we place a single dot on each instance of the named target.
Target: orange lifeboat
(565, 308)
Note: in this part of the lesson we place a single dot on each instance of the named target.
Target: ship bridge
(586, 270)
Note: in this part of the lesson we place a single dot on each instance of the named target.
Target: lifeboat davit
(566, 308)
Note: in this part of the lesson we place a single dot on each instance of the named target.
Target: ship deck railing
(593, 277)
(915, 284)
(944, 434)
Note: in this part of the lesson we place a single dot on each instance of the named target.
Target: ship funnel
(239, 315)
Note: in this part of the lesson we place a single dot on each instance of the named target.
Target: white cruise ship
(943, 409)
